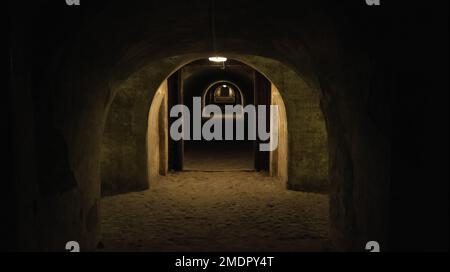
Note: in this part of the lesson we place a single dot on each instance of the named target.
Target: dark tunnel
(360, 154)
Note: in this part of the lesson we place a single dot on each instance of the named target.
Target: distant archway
(219, 82)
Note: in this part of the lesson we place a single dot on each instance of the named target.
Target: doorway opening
(217, 155)
(220, 85)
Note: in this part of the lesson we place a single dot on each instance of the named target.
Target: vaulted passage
(216, 188)
(228, 83)
(102, 92)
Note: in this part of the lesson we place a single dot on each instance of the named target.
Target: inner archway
(218, 85)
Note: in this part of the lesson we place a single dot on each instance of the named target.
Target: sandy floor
(215, 211)
(218, 155)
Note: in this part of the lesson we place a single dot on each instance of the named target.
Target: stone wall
(279, 157)
(157, 135)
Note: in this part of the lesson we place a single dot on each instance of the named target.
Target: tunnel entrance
(215, 194)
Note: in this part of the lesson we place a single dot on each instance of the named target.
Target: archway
(308, 156)
(306, 101)
(343, 70)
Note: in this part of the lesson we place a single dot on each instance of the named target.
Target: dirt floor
(219, 155)
(215, 211)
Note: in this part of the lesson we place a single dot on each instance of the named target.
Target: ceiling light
(217, 59)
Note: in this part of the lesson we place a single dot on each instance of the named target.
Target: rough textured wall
(124, 146)
(56, 138)
(163, 129)
(307, 137)
(157, 135)
(279, 157)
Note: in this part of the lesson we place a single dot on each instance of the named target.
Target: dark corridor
(221, 84)
(362, 137)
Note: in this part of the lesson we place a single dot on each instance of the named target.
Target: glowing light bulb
(217, 59)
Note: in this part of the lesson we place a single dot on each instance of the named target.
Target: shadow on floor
(218, 156)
